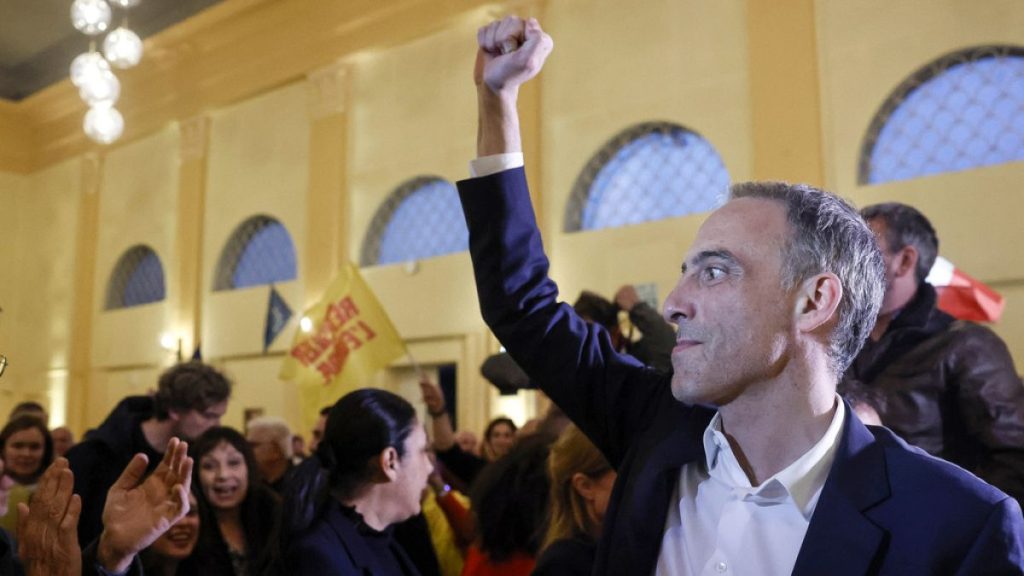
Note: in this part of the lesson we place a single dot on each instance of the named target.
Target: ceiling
(38, 42)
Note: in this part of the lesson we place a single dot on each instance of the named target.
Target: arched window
(421, 219)
(260, 251)
(964, 110)
(138, 279)
(650, 171)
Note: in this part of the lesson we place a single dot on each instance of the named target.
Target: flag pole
(415, 364)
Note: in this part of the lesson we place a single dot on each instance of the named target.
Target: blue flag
(278, 314)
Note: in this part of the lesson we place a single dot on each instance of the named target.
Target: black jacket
(99, 459)
(950, 387)
(655, 347)
(567, 557)
(339, 543)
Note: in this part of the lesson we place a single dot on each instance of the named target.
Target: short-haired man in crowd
(63, 440)
(950, 386)
(271, 442)
(190, 398)
(745, 460)
(318, 429)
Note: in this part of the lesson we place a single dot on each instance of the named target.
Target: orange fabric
(478, 564)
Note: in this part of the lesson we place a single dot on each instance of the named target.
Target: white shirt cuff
(487, 165)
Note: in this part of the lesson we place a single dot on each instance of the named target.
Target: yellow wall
(317, 122)
(866, 49)
(138, 203)
(614, 66)
(41, 211)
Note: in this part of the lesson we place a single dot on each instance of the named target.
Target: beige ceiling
(38, 42)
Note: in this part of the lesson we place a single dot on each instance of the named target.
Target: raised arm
(609, 396)
(444, 436)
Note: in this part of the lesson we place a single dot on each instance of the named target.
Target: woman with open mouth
(236, 511)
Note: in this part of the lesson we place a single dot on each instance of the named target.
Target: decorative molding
(327, 90)
(195, 137)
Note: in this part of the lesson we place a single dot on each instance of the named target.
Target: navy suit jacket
(886, 508)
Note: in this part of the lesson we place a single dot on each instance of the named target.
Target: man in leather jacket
(950, 386)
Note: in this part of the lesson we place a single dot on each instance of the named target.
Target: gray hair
(828, 235)
(906, 226)
(280, 433)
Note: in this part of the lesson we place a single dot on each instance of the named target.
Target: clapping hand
(48, 525)
(137, 512)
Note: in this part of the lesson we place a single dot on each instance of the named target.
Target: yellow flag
(351, 338)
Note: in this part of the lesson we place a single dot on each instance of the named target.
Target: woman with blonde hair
(581, 484)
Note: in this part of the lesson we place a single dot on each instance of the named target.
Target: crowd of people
(811, 411)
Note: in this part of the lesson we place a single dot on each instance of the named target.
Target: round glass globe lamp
(103, 124)
(88, 67)
(102, 89)
(123, 48)
(90, 16)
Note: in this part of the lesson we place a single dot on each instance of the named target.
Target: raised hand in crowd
(48, 529)
(137, 512)
(444, 435)
(626, 297)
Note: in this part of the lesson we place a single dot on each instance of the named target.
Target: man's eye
(713, 273)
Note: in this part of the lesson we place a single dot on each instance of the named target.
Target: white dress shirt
(719, 524)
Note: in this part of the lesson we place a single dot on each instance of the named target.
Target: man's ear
(174, 415)
(817, 301)
(906, 261)
(388, 463)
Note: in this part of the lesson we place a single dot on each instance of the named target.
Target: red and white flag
(964, 297)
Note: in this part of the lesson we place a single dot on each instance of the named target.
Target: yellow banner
(350, 339)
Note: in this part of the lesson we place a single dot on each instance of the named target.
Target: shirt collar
(802, 480)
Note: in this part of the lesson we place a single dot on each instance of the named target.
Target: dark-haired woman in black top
(368, 473)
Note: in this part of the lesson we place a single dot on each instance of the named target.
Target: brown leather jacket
(950, 388)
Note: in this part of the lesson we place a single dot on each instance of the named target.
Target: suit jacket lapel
(652, 489)
(841, 539)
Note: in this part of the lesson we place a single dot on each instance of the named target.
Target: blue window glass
(649, 172)
(259, 252)
(965, 110)
(422, 219)
(138, 279)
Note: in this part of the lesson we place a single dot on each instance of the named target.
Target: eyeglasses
(3, 364)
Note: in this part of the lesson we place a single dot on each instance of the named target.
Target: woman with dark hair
(26, 449)
(236, 511)
(581, 484)
(499, 436)
(509, 501)
(367, 473)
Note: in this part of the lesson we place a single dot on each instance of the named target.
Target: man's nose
(679, 303)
